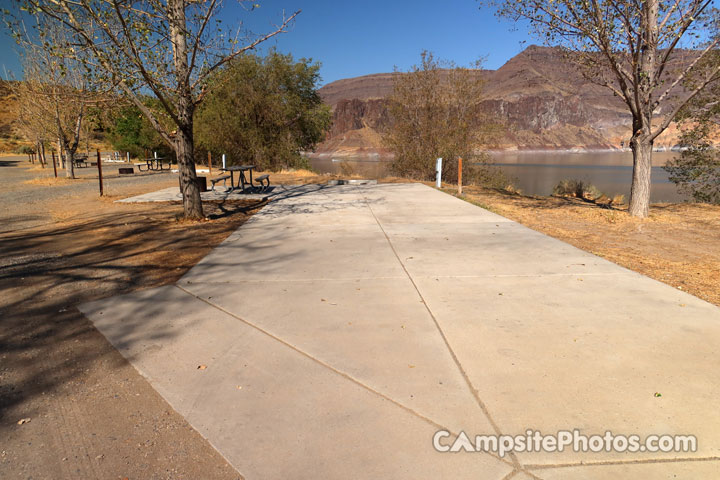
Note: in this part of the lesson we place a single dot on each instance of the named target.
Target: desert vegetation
(435, 112)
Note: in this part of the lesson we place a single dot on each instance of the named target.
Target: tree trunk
(39, 155)
(184, 149)
(642, 169)
(69, 162)
(184, 145)
(42, 154)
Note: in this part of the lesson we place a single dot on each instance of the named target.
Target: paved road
(335, 332)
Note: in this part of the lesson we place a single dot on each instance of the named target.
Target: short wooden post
(99, 165)
(459, 175)
(210, 163)
(54, 165)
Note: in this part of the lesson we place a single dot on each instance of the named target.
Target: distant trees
(631, 47)
(168, 49)
(263, 111)
(56, 96)
(130, 131)
(435, 112)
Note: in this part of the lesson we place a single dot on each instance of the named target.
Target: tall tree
(632, 48)
(166, 48)
(264, 111)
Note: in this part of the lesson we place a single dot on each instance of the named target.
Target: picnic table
(80, 160)
(242, 181)
(154, 163)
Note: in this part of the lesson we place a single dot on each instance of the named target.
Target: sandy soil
(679, 244)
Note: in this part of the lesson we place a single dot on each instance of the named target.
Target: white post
(438, 173)
(223, 161)
(128, 157)
(155, 155)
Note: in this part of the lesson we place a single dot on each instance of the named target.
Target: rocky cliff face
(542, 100)
(355, 114)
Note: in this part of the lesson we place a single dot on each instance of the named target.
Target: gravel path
(26, 204)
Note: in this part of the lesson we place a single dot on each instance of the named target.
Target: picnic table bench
(264, 181)
(218, 179)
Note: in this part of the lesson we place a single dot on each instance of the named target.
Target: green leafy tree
(130, 131)
(168, 49)
(264, 111)
(435, 112)
(632, 48)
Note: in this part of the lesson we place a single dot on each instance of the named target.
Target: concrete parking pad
(342, 326)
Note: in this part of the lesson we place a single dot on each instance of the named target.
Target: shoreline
(383, 156)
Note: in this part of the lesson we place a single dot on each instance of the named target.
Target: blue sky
(352, 38)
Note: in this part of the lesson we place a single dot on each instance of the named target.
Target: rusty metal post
(99, 165)
(54, 165)
(459, 175)
(210, 163)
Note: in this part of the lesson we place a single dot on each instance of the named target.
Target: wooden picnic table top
(238, 168)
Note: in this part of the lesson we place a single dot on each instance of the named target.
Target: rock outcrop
(541, 98)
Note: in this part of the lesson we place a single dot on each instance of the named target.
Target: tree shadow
(45, 272)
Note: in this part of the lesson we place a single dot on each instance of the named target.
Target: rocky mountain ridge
(540, 97)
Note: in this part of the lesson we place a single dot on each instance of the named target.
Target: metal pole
(459, 175)
(128, 157)
(99, 165)
(438, 173)
(210, 163)
(223, 161)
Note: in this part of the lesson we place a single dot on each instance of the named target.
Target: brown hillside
(539, 95)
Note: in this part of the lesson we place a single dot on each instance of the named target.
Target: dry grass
(679, 244)
(50, 181)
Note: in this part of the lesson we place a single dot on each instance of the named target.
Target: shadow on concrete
(45, 342)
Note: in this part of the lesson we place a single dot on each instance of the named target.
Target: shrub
(569, 187)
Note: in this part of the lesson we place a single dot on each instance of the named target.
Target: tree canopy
(264, 111)
(130, 131)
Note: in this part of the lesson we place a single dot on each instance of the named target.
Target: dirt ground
(679, 244)
(91, 415)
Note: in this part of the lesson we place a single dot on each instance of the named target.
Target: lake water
(536, 173)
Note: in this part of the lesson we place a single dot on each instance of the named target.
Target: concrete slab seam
(473, 390)
(336, 371)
